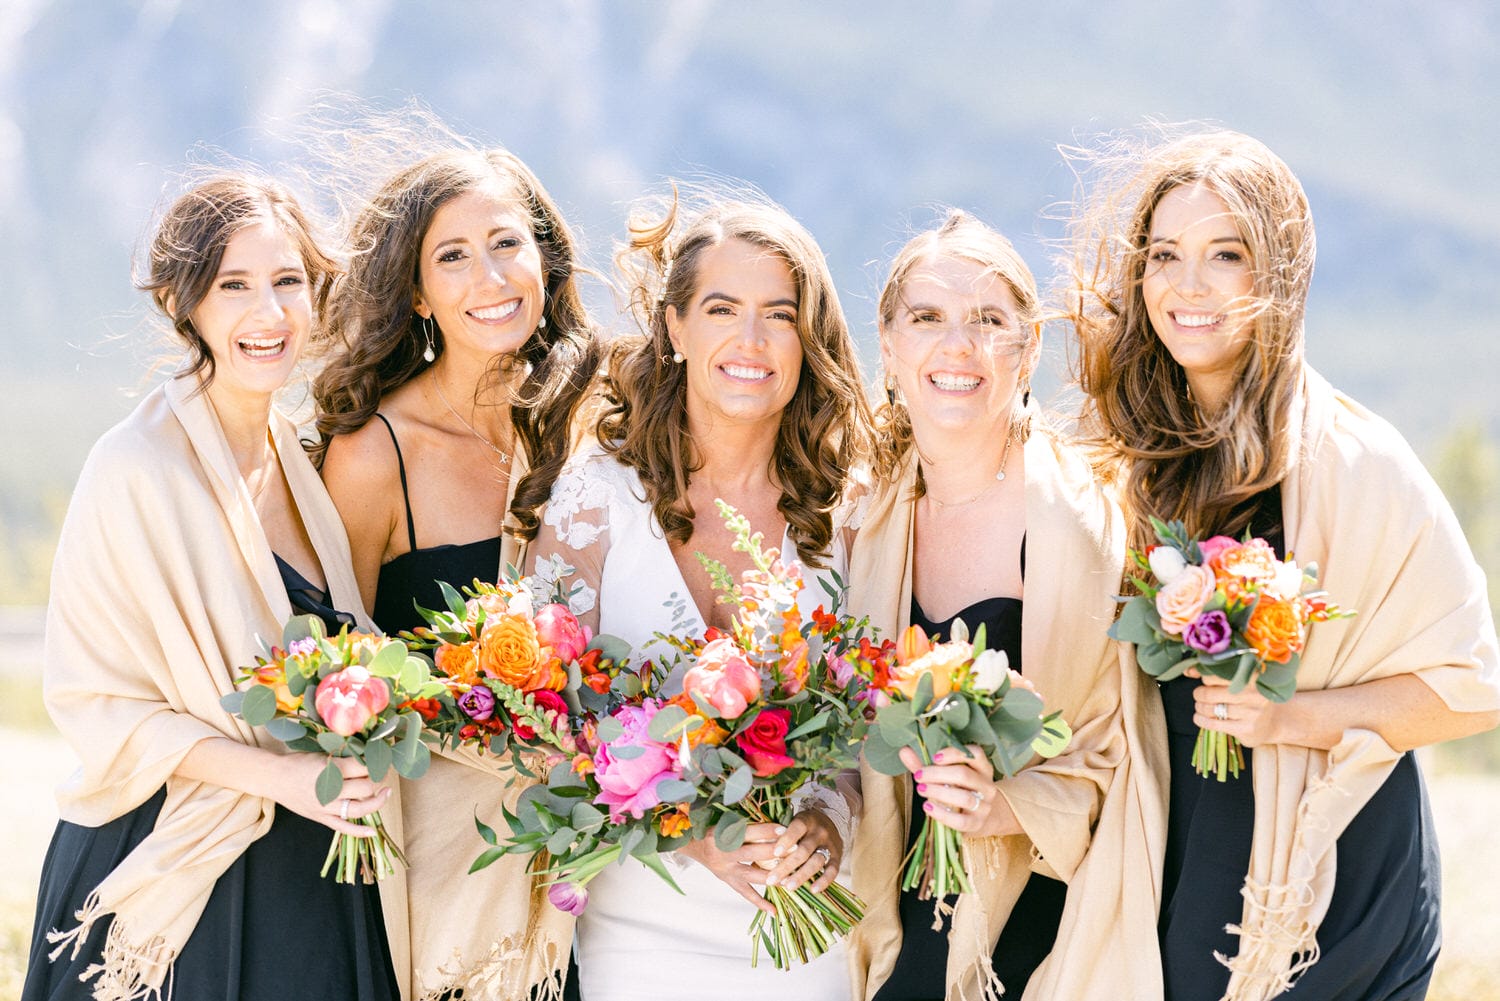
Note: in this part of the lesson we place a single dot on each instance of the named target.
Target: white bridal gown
(638, 938)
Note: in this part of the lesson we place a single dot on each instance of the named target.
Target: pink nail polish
(927, 807)
(921, 788)
(917, 774)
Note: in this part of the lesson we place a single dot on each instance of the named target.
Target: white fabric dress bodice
(639, 940)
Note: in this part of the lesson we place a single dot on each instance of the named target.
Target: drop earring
(890, 390)
(430, 354)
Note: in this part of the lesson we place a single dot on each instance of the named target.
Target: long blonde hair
(1172, 460)
(825, 429)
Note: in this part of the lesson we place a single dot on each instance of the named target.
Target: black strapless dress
(242, 949)
(1380, 938)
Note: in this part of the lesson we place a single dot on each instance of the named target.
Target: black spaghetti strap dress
(1380, 938)
(241, 949)
(1031, 929)
(411, 579)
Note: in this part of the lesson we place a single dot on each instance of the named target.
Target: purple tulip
(570, 897)
(1209, 633)
(478, 703)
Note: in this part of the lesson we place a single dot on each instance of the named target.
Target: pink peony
(1179, 602)
(724, 678)
(559, 629)
(628, 785)
(349, 699)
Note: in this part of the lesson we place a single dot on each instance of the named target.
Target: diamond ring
(827, 855)
(1221, 711)
(343, 809)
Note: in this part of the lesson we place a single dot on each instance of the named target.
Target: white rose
(1166, 563)
(520, 604)
(989, 669)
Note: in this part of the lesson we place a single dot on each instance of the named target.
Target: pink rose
(349, 699)
(764, 743)
(1179, 602)
(724, 678)
(628, 785)
(558, 628)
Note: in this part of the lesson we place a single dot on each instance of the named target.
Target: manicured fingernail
(779, 851)
(771, 881)
(922, 788)
(780, 830)
(927, 807)
(917, 774)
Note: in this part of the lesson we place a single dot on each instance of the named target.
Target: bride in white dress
(745, 388)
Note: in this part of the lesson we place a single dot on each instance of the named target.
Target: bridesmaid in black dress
(1200, 401)
(464, 354)
(235, 269)
(959, 340)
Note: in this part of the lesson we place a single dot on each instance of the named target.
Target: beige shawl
(162, 581)
(1075, 548)
(1359, 504)
(492, 934)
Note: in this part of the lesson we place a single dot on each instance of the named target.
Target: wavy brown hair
(1172, 460)
(378, 336)
(825, 428)
(188, 247)
(963, 236)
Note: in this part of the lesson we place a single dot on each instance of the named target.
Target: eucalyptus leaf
(286, 729)
(882, 756)
(729, 833)
(609, 647)
(388, 660)
(632, 837)
(378, 758)
(737, 786)
(330, 783)
(666, 725)
(385, 729)
(561, 840)
(587, 817)
(1139, 622)
(300, 627)
(233, 703)
(413, 675)
(608, 731)
(259, 707)
(626, 752)
(332, 742)
(675, 791)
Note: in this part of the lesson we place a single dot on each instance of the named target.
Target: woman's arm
(287, 779)
(1403, 710)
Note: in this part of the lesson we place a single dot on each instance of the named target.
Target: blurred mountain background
(859, 117)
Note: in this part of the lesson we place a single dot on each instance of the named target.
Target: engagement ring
(1221, 711)
(343, 809)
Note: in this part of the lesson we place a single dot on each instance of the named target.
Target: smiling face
(479, 273)
(1198, 286)
(739, 337)
(257, 313)
(956, 347)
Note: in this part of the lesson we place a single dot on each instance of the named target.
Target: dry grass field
(1466, 804)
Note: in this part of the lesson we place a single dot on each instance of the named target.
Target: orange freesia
(912, 644)
(1275, 630)
(675, 823)
(583, 764)
(824, 622)
(459, 662)
(508, 649)
(273, 676)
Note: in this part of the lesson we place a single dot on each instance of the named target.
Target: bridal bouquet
(354, 695)
(1229, 609)
(932, 695)
(767, 711)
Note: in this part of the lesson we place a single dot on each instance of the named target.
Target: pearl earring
(429, 355)
(677, 357)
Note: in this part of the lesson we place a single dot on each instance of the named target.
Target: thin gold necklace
(999, 478)
(472, 430)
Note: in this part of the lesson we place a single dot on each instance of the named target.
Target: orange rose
(273, 676)
(459, 662)
(508, 649)
(674, 823)
(707, 732)
(549, 674)
(943, 661)
(1275, 630)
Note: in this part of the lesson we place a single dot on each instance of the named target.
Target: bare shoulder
(365, 459)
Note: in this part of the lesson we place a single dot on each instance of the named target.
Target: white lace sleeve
(840, 804)
(573, 539)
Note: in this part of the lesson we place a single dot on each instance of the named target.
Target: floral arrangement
(931, 695)
(520, 671)
(365, 691)
(1225, 608)
(766, 711)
